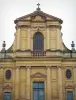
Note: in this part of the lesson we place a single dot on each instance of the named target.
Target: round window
(68, 73)
(8, 74)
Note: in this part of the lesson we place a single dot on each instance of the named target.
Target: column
(74, 70)
(59, 41)
(18, 42)
(13, 82)
(28, 85)
(29, 39)
(48, 38)
(60, 83)
(22, 83)
(17, 83)
(48, 83)
(1, 82)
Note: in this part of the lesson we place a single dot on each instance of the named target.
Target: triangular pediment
(38, 16)
(38, 75)
(7, 86)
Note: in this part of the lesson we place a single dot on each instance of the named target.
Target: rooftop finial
(73, 45)
(38, 6)
(3, 46)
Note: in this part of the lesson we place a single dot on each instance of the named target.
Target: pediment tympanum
(38, 18)
(38, 75)
(7, 87)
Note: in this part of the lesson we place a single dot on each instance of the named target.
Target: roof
(38, 12)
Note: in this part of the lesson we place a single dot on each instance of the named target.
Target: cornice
(17, 67)
(53, 26)
(28, 50)
(29, 26)
(38, 58)
(6, 59)
(23, 26)
(41, 13)
(65, 59)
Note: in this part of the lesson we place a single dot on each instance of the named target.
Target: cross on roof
(38, 5)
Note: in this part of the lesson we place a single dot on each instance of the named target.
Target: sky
(12, 9)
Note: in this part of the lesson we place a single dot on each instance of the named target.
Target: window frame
(8, 74)
(69, 92)
(38, 42)
(5, 93)
(38, 89)
(68, 74)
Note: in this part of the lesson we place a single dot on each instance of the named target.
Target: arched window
(38, 42)
(8, 74)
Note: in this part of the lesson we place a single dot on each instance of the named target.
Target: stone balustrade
(47, 53)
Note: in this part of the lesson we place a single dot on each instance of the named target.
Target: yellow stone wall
(27, 69)
(52, 35)
(22, 78)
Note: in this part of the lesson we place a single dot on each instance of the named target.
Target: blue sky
(12, 9)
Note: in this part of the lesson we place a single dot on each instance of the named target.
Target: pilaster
(29, 38)
(74, 71)
(58, 38)
(18, 39)
(17, 83)
(13, 81)
(28, 85)
(48, 83)
(60, 83)
(1, 82)
(23, 83)
(47, 38)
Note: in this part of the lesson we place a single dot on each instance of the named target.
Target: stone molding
(1, 67)
(69, 87)
(16, 67)
(28, 67)
(38, 75)
(36, 27)
(7, 87)
(48, 67)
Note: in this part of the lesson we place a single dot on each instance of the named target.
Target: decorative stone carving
(7, 87)
(38, 75)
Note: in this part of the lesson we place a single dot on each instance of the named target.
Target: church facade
(38, 65)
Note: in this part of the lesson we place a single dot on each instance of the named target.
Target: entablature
(37, 54)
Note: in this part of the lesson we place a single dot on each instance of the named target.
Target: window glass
(35, 92)
(35, 85)
(41, 95)
(7, 96)
(41, 85)
(38, 90)
(38, 42)
(69, 95)
(8, 74)
(68, 73)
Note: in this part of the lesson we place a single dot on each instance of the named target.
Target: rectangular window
(69, 95)
(38, 90)
(7, 96)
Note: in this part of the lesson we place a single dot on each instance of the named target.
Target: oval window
(68, 73)
(8, 74)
